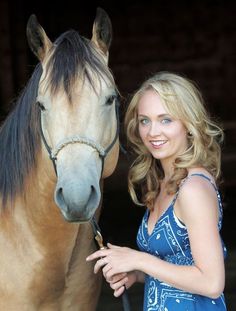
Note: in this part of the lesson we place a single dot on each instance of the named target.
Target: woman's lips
(158, 143)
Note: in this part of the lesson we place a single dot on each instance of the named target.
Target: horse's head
(77, 97)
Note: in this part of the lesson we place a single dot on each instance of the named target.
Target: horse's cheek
(111, 161)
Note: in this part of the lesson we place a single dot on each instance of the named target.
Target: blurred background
(193, 38)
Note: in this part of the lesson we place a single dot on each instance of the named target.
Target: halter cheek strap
(53, 152)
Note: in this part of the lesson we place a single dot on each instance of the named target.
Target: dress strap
(195, 174)
(207, 178)
(214, 186)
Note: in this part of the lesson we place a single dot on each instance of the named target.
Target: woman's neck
(168, 171)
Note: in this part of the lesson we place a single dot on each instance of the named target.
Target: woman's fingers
(107, 267)
(99, 264)
(119, 291)
(117, 277)
(119, 284)
(102, 252)
(98, 254)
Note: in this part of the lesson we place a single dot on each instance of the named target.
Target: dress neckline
(175, 198)
(160, 217)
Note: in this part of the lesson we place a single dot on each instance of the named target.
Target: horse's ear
(102, 31)
(37, 38)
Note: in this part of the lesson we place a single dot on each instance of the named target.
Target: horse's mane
(19, 140)
(19, 134)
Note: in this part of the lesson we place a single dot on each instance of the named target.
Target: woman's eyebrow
(159, 115)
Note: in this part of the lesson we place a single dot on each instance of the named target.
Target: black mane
(19, 134)
(19, 140)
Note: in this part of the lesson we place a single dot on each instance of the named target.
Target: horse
(57, 145)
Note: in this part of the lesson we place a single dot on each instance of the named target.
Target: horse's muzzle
(78, 208)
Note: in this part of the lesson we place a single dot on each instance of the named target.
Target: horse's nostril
(59, 193)
(60, 198)
(92, 190)
(94, 198)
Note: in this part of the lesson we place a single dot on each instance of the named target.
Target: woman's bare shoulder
(197, 196)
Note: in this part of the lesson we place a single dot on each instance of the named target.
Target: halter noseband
(53, 152)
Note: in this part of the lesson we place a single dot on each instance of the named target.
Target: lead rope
(99, 239)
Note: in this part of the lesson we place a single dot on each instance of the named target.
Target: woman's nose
(154, 129)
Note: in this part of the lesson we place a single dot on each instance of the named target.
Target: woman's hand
(117, 264)
(114, 260)
(122, 281)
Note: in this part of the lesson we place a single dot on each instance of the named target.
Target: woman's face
(164, 136)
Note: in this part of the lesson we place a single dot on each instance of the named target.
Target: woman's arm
(198, 208)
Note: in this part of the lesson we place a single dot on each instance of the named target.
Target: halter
(53, 152)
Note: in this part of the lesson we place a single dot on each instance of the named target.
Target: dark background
(196, 39)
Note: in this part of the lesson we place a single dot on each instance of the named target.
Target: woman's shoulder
(198, 179)
(197, 199)
(197, 189)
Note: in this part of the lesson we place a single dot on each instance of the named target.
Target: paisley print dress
(170, 242)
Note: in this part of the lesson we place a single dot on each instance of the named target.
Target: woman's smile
(157, 143)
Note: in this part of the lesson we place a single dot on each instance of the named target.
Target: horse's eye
(110, 100)
(41, 106)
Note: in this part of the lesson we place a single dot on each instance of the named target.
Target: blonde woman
(177, 170)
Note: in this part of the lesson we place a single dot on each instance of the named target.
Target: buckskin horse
(56, 146)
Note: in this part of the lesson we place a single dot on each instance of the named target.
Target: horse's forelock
(73, 57)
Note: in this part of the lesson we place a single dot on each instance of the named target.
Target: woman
(181, 254)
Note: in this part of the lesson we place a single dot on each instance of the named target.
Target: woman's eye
(166, 121)
(143, 121)
(41, 106)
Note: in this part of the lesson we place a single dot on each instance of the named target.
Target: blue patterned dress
(170, 242)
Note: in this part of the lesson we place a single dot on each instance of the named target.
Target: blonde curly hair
(182, 99)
